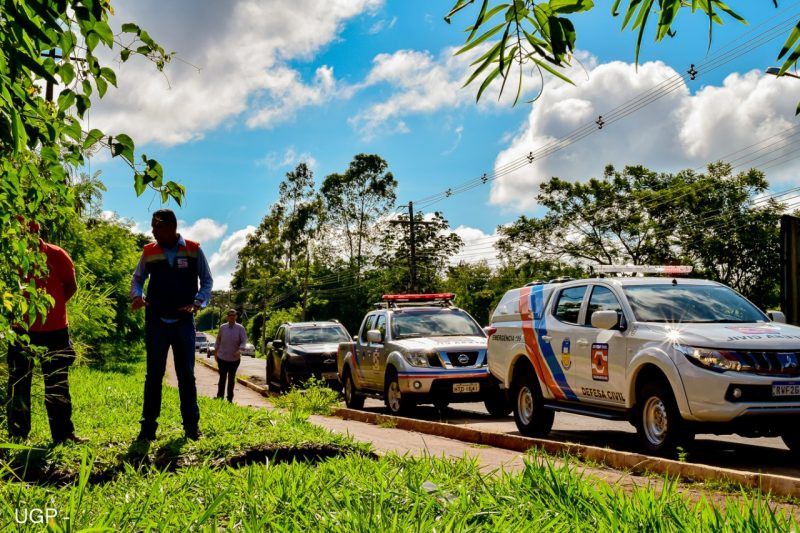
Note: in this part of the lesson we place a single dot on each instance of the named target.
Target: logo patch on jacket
(182, 262)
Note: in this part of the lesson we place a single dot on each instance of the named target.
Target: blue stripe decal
(444, 372)
(540, 327)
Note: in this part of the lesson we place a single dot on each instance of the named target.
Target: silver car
(418, 349)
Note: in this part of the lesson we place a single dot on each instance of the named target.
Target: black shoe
(192, 434)
(145, 435)
(72, 437)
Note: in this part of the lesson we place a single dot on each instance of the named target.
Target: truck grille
(770, 363)
(470, 359)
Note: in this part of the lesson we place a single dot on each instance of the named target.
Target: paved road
(731, 451)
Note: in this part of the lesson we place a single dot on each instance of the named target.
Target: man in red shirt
(50, 339)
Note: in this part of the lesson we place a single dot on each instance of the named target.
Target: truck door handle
(547, 338)
(582, 342)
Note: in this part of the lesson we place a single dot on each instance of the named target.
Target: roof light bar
(417, 297)
(643, 269)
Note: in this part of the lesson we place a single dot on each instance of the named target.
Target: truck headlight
(717, 360)
(417, 358)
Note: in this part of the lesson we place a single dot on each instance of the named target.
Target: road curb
(635, 463)
(263, 391)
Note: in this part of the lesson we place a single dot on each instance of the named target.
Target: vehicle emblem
(788, 360)
(463, 359)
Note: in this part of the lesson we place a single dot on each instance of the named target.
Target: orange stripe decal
(532, 344)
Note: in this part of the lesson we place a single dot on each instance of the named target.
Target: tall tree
(711, 220)
(435, 244)
(355, 200)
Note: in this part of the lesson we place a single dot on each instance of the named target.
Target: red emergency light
(418, 297)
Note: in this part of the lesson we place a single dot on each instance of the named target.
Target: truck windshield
(690, 303)
(318, 335)
(433, 323)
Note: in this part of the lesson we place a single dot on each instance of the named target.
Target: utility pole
(412, 263)
(413, 267)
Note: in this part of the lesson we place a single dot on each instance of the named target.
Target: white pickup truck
(672, 356)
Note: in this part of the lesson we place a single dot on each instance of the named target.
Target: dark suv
(300, 350)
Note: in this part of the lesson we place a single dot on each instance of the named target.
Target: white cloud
(678, 131)
(203, 230)
(478, 246)
(458, 131)
(381, 25)
(289, 158)
(242, 48)
(223, 261)
(422, 84)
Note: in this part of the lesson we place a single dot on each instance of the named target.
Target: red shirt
(60, 284)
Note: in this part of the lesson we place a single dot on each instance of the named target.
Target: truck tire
(270, 371)
(658, 421)
(497, 404)
(393, 397)
(286, 382)
(352, 399)
(530, 415)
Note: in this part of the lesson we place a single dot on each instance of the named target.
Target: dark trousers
(55, 361)
(159, 338)
(227, 371)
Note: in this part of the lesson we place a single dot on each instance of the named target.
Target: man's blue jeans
(159, 337)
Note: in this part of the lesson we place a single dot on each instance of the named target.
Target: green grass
(315, 397)
(218, 486)
(106, 410)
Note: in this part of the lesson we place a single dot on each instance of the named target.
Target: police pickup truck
(674, 356)
(418, 348)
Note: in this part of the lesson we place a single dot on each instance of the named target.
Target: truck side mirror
(374, 336)
(777, 316)
(605, 319)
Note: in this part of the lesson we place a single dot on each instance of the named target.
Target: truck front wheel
(392, 395)
(659, 423)
(530, 415)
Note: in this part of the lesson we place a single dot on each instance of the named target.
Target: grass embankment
(203, 488)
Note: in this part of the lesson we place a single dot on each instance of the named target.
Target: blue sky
(260, 87)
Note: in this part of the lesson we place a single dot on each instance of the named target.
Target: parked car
(248, 349)
(418, 349)
(304, 349)
(201, 342)
(673, 356)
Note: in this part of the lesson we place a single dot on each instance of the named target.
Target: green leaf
(87, 87)
(125, 54)
(571, 6)
(103, 30)
(102, 86)
(122, 145)
(68, 41)
(67, 73)
(18, 134)
(138, 184)
(482, 38)
(66, 99)
(790, 41)
(92, 138)
(83, 103)
(129, 27)
(92, 40)
(73, 130)
(109, 75)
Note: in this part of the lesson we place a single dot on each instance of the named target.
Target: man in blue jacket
(175, 266)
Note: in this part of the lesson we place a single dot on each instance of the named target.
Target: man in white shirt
(231, 340)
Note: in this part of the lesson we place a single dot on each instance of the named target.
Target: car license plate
(786, 388)
(466, 387)
(330, 375)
